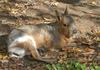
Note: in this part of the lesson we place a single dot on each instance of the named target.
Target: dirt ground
(85, 13)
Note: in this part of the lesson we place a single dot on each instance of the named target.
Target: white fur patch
(24, 38)
(18, 50)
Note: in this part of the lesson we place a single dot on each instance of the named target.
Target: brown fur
(45, 35)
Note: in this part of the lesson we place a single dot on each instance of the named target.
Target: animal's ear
(59, 18)
(66, 11)
(64, 18)
(57, 15)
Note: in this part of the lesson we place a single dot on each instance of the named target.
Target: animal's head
(65, 21)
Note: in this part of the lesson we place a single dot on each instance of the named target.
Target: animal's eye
(64, 25)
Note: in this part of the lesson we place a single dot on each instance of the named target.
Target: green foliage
(73, 65)
(94, 67)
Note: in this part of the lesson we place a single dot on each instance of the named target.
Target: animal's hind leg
(15, 51)
(37, 56)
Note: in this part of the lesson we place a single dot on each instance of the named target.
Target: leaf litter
(84, 47)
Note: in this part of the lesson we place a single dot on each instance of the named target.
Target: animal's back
(43, 34)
